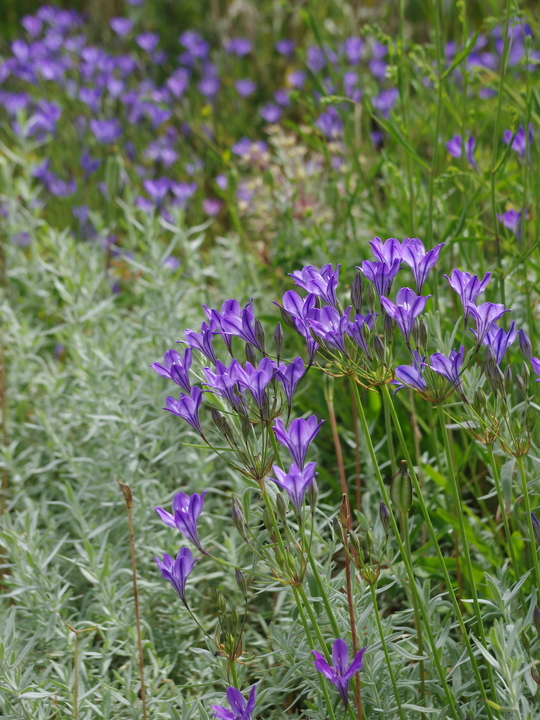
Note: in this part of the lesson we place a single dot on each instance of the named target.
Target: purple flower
(322, 283)
(157, 189)
(177, 571)
(355, 330)
(245, 88)
(415, 256)
(499, 340)
(194, 43)
(211, 206)
(221, 181)
(289, 376)
(241, 710)
(298, 437)
(353, 49)
(350, 80)
(454, 147)
(511, 219)
(296, 79)
(340, 672)
(449, 367)
(485, 316)
(106, 131)
(178, 82)
(270, 113)
(296, 310)
(122, 26)
(239, 46)
(229, 308)
(21, 239)
(175, 368)
(535, 364)
(32, 25)
(242, 324)
(316, 59)
(256, 380)
(467, 286)
(183, 191)
(328, 325)
(209, 85)
(387, 251)
(385, 101)
(408, 307)
(411, 376)
(285, 47)
(282, 98)
(224, 381)
(203, 341)
(147, 41)
(381, 274)
(187, 407)
(186, 510)
(330, 123)
(295, 482)
(171, 263)
(519, 144)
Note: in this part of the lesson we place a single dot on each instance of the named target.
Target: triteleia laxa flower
(519, 144)
(535, 364)
(187, 407)
(356, 330)
(295, 482)
(186, 511)
(322, 283)
(421, 262)
(106, 131)
(411, 375)
(176, 368)
(454, 147)
(485, 316)
(499, 340)
(177, 571)
(289, 375)
(298, 437)
(224, 381)
(449, 366)
(467, 286)
(387, 251)
(241, 709)
(408, 307)
(256, 380)
(330, 326)
(340, 672)
(511, 219)
(203, 341)
(295, 311)
(381, 274)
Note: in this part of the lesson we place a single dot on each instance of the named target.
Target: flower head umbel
(241, 709)
(186, 511)
(467, 286)
(175, 368)
(408, 307)
(485, 316)
(322, 283)
(177, 571)
(187, 407)
(340, 672)
(298, 437)
(295, 482)
(421, 262)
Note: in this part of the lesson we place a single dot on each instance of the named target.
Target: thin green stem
(373, 589)
(527, 501)
(234, 674)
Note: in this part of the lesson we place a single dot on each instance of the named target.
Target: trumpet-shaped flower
(421, 262)
(381, 274)
(176, 368)
(241, 709)
(449, 366)
(177, 571)
(330, 326)
(186, 511)
(298, 437)
(295, 482)
(467, 286)
(322, 283)
(203, 341)
(408, 307)
(454, 147)
(499, 340)
(485, 316)
(356, 330)
(340, 672)
(257, 379)
(187, 407)
(289, 376)
(387, 251)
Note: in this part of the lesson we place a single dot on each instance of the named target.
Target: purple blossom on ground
(511, 219)
(177, 571)
(519, 143)
(322, 283)
(187, 407)
(178, 82)
(106, 131)
(467, 286)
(185, 514)
(194, 43)
(485, 316)
(270, 113)
(239, 46)
(408, 307)
(209, 86)
(454, 147)
(499, 340)
(421, 262)
(298, 437)
(449, 366)
(240, 708)
(282, 97)
(176, 368)
(245, 88)
(340, 673)
(381, 274)
(295, 482)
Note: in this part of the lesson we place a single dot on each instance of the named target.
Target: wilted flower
(340, 672)
(296, 482)
(240, 708)
(298, 437)
(177, 571)
(186, 511)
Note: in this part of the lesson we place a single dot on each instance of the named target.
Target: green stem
(456, 713)
(440, 558)
(526, 498)
(373, 589)
(234, 674)
(390, 440)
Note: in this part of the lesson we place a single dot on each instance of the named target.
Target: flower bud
(354, 541)
(278, 339)
(238, 517)
(246, 427)
(536, 619)
(268, 523)
(401, 489)
(312, 494)
(336, 527)
(250, 355)
(525, 373)
(384, 514)
(522, 388)
(389, 328)
(420, 335)
(344, 511)
(507, 384)
(370, 296)
(356, 293)
(241, 581)
(479, 402)
(536, 527)
(281, 508)
(378, 347)
(288, 319)
(534, 676)
(525, 344)
(259, 335)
